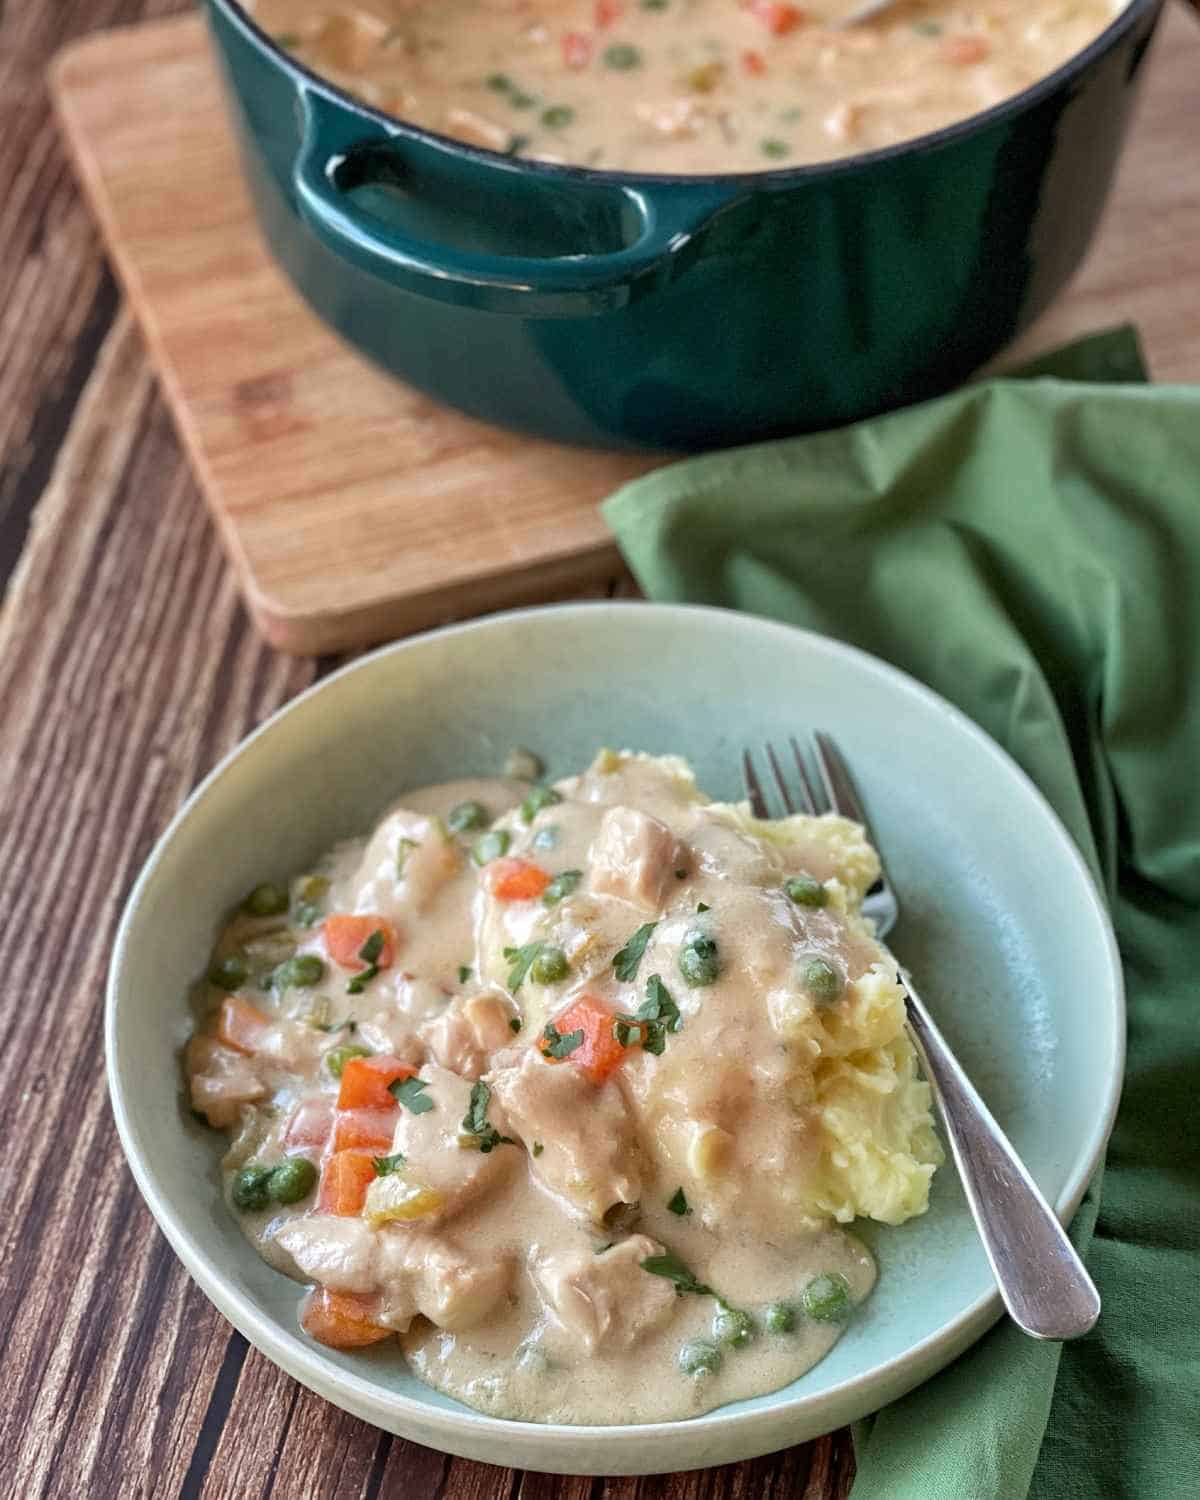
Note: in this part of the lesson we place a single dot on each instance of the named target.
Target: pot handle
(343, 149)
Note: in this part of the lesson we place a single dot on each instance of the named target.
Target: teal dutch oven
(644, 311)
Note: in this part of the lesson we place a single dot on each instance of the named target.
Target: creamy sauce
(760, 1116)
(682, 86)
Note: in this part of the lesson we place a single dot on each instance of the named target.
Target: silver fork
(1045, 1287)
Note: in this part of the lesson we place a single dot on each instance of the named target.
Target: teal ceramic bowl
(1002, 924)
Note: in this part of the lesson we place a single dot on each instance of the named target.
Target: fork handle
(1045, 1287)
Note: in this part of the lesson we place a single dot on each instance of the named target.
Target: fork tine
(784, 794)
(807, 795)
(836, 778)
(754, 791)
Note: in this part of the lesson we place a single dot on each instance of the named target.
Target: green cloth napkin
(1030, 548)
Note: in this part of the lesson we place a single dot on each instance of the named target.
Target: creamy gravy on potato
(574, 1089)
(685, 86)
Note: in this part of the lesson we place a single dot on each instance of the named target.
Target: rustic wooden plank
(56, 296)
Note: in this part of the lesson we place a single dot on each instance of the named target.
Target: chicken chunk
(221, 1081)
(607, 1301)
(450, 1288)
(440, 1155)
(589, 1152)
(633, 857)
(408, 861)
(334, 1251)
(468, 1032)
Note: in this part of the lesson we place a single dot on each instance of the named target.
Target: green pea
(337, 1057)
(780, 1318)
(699, 1358)
(522, 765)
(467, 816)
(622, 57)
(773, 148)
(699, 960)
(805, 890)
(822, 981)
(229, 973)
(550, 966)
(292, 1180)
(266, 900)
(539, 797)
(557, 116)
(733, 1327)
(251, 1188)
(491, 846)
(562, 885)
(301, 972)
(827, 1298)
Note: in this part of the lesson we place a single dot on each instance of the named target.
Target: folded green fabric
(1030, 548)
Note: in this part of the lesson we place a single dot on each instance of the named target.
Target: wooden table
(128, 669)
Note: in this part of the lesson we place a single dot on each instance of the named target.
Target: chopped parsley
(464, 973)
(559, 1044)
(386, 1165)
(562, 885)
(654, 1018)
(538, 1148)
(411, 1093)
(703, 906)
(328, 1026)
(514, 1023)
(369, 953)
(627, 960)
(539, 796)
(669, 1265)
(679, 1204)
(680, 874)
(475, 1121)
(522, 961)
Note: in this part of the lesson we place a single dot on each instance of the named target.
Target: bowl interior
(1001, 925)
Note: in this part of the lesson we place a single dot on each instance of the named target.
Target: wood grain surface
(354, 508)
(128, 665)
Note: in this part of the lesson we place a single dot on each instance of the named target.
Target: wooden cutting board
(355, 509)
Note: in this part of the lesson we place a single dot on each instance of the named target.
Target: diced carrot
(599, 1053)
(341, 1320)
(516, 879)
(754, 63)
(365, 1082)
(965, 50)
(311, 1122)
(345, 936)
(576, 49)
(242, 1025)
(608, 11)
(779, 19)
(344, 1183)
(365, 1129)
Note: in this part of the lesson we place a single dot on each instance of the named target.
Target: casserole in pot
(639, 309)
